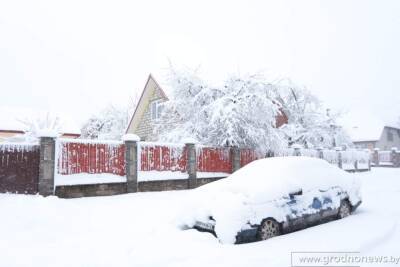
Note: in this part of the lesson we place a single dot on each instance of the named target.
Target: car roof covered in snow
(272, 178)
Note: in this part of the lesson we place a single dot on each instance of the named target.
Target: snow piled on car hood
(229, 201)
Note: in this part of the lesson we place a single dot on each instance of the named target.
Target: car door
(295, 210)
(305, 209)
(329, 197)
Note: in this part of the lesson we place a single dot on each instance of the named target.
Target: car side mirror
(296, 193)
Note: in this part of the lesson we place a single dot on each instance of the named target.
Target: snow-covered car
(273, 196)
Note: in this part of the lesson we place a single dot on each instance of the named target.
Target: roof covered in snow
(11, 119)
(368, 132)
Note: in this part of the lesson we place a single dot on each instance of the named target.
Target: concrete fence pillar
(191, 163)
(339, 156)
(395, 157)
(320, 152)
(356, 165)
(47, 165)
(235, 157)
(131, 162)
(297, 150)
(375, 157)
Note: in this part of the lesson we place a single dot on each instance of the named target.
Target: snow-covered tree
(109, 123)
(35, 126)
(240, 112)
(308, 123)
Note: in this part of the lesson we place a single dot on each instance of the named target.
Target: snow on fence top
(89, 141)
(349, 157)
(17, 147)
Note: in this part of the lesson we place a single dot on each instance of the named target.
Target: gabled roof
(368, 133)
(143, 101)
(10, 120)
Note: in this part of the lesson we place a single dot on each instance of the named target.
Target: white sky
(74, 57)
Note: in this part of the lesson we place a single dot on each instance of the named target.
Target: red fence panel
(161, 157)
(214, 159)
(19, 168)
(79, 157)
(247, 155)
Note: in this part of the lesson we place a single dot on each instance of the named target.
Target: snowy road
(140, 230)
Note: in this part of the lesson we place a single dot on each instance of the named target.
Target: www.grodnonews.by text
(342, 259)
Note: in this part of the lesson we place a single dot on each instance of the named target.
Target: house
(148, 109)
(384, 137)
(150, 106)
(11, 128)
(7, 134)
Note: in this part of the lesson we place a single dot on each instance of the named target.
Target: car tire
(344, 209)
(269, 228)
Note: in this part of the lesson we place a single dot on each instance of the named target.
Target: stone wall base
(90, 190)
(110, 189)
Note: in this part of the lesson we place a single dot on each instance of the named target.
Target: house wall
(7, 134)
(384, 143)
(145, 127)
(365, 144)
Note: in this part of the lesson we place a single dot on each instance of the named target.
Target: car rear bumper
(354, 207)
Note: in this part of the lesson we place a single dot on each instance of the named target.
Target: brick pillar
(46, 166)
(375, 157)
(339, 155)
(235, 152)
(191, 164)
(131, 162)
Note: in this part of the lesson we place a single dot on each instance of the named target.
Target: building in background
(150, 106)
(12, 128)
(10, 134)
(384, 138)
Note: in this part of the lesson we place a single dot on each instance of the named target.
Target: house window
(156, 108)
(390, 136)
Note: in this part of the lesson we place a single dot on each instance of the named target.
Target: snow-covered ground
(141, 230)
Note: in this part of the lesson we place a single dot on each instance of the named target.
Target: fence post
(356, 165)
(47, 164)
(235, 152)
(131, 162)
(375, 157)
(297, 150)
(320, 153)
(394, 157)
(191, 163)
(339, 154)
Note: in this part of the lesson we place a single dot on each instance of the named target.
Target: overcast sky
(74, 57)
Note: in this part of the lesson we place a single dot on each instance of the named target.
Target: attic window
(390, 136)
(156, 108)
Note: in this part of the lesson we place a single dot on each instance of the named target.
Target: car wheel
(268, 228)
(344, 209)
